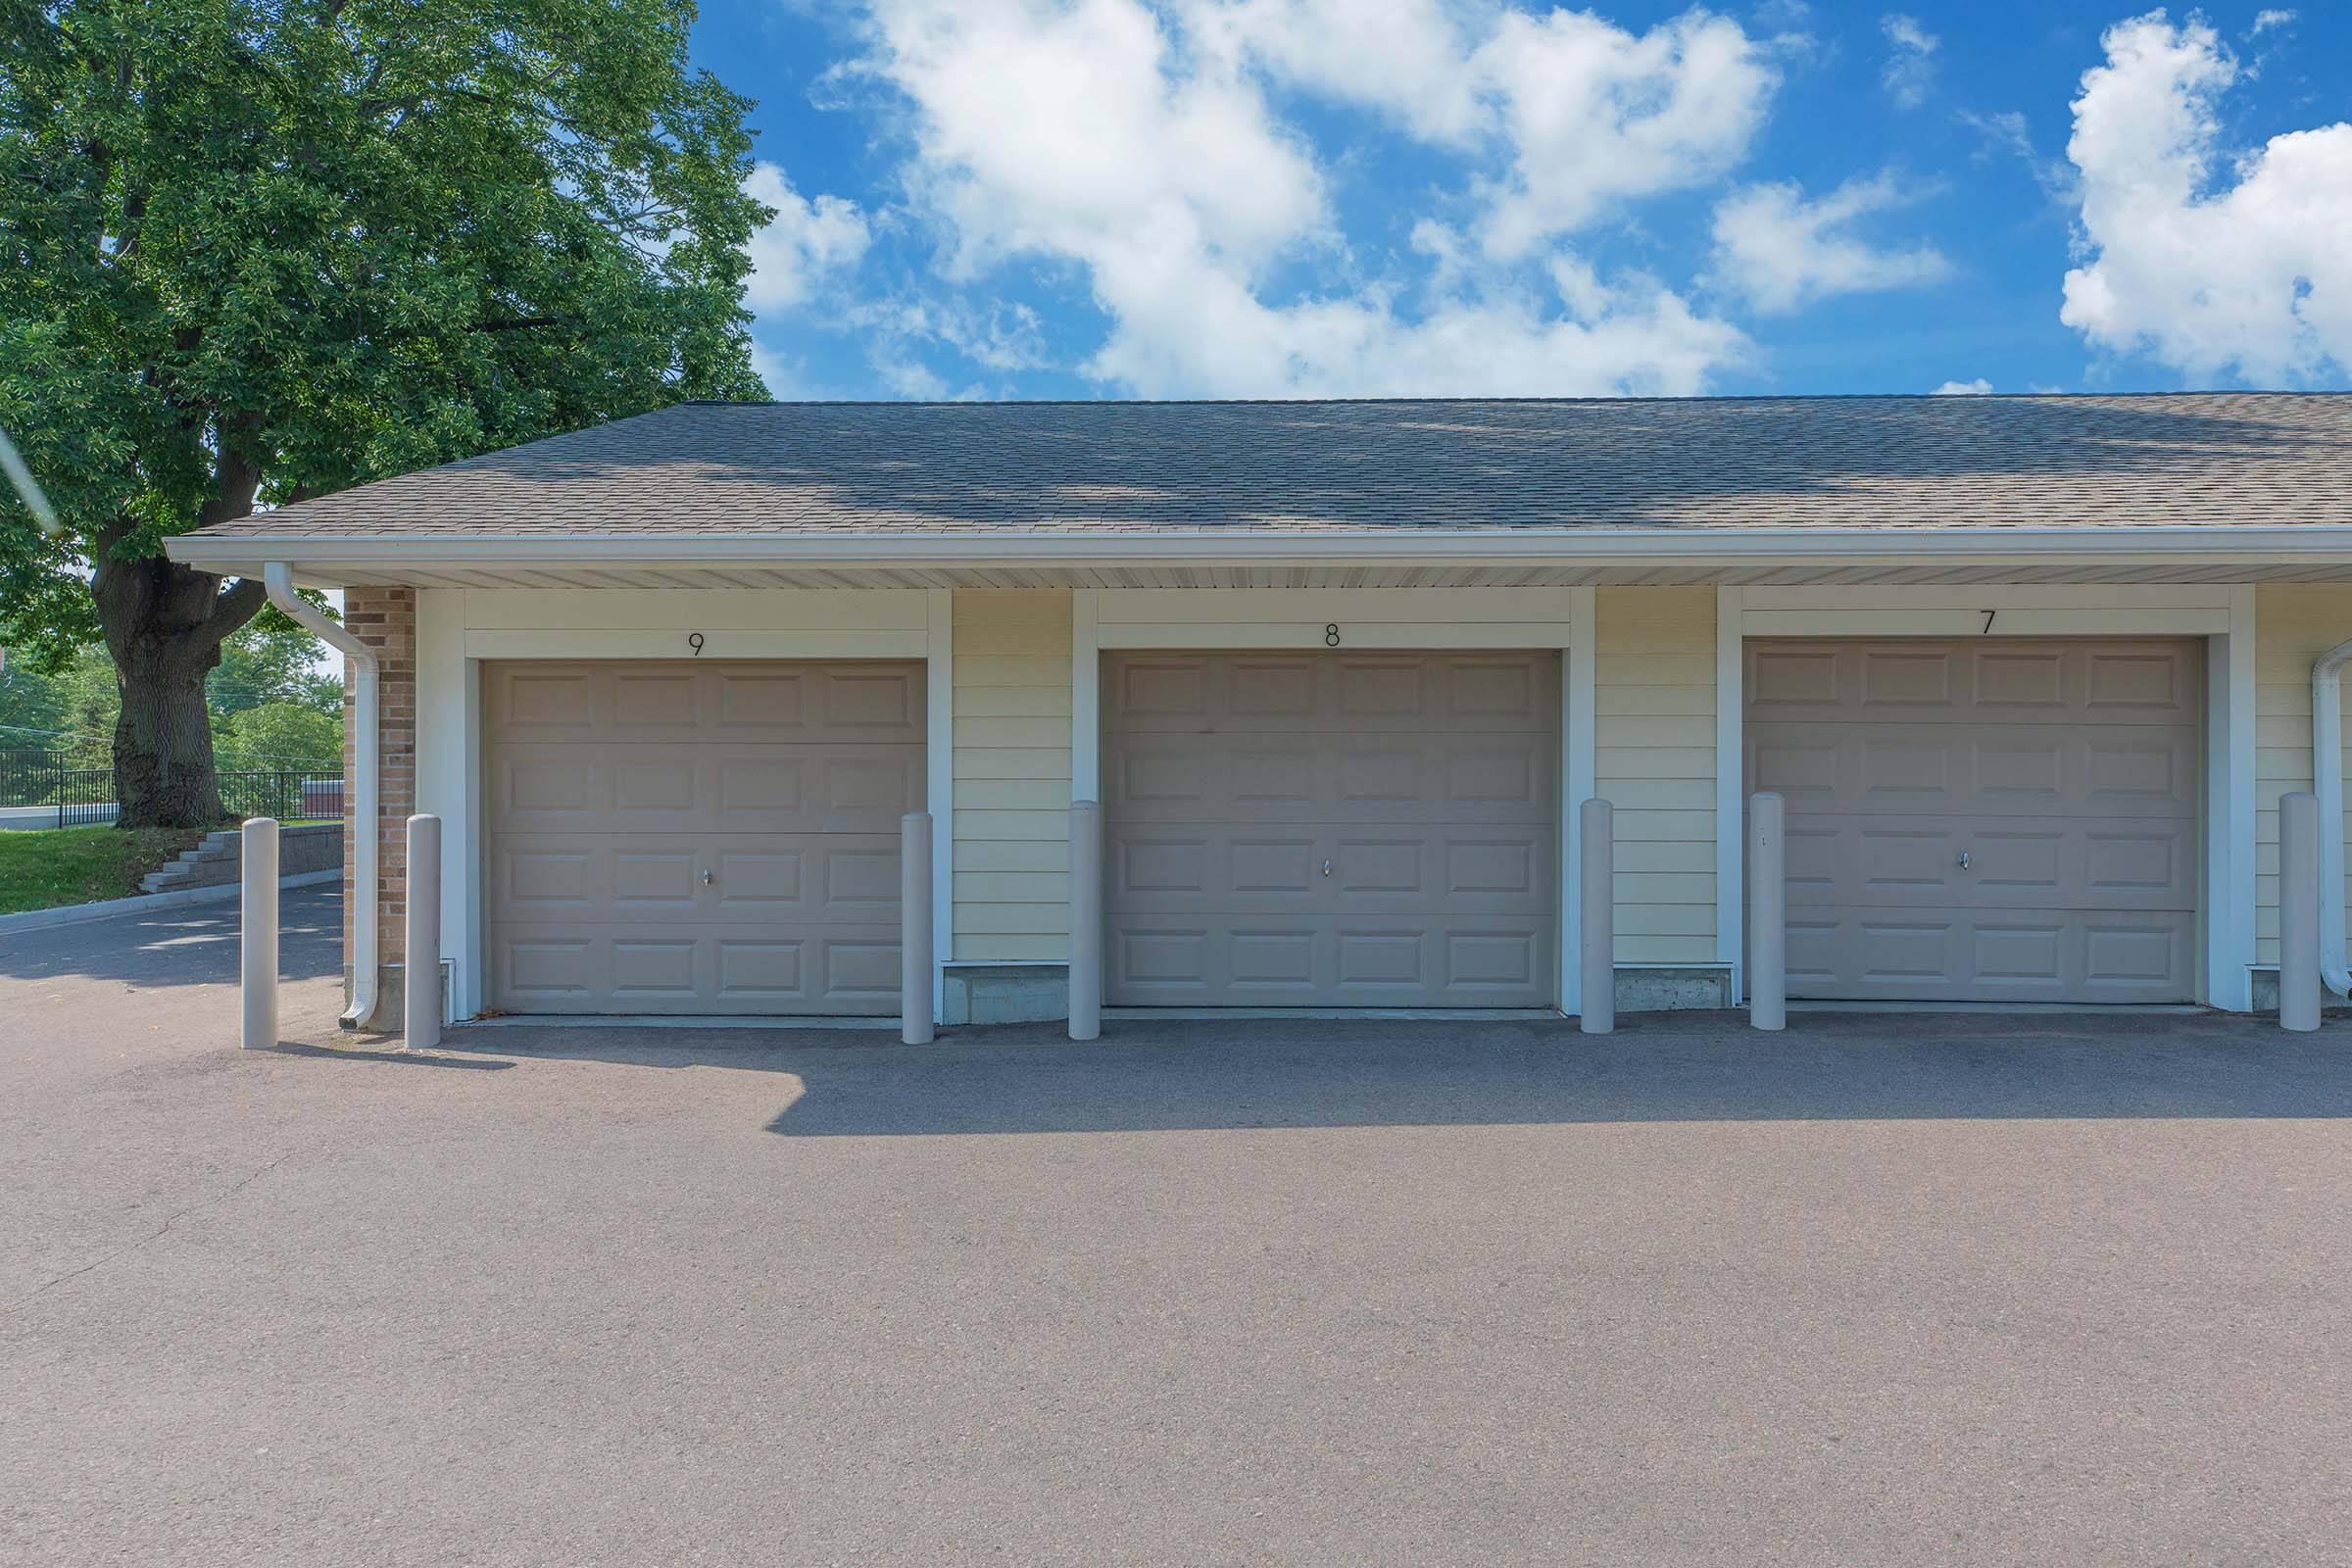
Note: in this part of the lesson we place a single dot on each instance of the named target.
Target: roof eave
(246, 553)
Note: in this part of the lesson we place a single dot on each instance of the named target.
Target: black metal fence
(83, 797)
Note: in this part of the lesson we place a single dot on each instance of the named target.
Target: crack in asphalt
(162, 1230)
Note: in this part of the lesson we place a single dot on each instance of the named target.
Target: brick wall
(385, 620)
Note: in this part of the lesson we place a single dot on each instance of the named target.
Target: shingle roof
(1913, 464)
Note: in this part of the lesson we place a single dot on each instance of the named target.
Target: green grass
(45, 867)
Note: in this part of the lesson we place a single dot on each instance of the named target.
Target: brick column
(385, 620)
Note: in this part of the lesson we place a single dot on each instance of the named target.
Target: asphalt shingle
(1900, 464)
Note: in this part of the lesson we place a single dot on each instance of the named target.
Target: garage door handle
(1327, 868)
(1962, 861)
(707, 875)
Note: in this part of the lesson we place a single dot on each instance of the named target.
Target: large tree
(252, 251)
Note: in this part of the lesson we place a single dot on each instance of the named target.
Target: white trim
(1971, 622)
(1086, 698)
(2075, 597)
(506, 643)
(458, 628)
(1730, 786)
(2223, 613)
(1077, 545)
(446, 680)
(1579, 761)
(2231, 723)
(473, 914)
(1379, 636)
(1194, 607)
(939, 784)
(365, 809)
(1558, 619)
(707, 609)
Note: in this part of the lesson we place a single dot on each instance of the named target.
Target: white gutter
(278, 578)
(2327, 783)
(1077, 545)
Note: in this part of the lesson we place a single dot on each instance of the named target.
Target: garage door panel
(698, 838)
(1992, 955)
(702, 968)
(653, 703)
(808, 878)
(1328, 694)
(1330, 960)
(1912, 768)
(2064, 863)
(537, 787)
(2066, 773)
(1992, 681)
(1320, 829)
(1334, 780)
(1227, 870)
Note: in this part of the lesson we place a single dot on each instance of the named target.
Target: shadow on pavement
(193, 945)
(1691, 1068)
(287, 1048)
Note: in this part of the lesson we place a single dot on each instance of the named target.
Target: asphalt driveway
(2050, 1292)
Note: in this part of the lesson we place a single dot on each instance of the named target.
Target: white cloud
(1782, 252)
(1408, 57)
(2006, 131)
(1910, 68)
(1586, 113)
(804, 244)
(1596, 116)
(781, 376)
(2265, 21)
(1978, 388)
(1140, 146)
(2251, 273)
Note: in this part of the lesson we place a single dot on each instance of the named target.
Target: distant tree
(93, 707)
(280, 735)
(33, 710)
(273, 659)
(252, 251)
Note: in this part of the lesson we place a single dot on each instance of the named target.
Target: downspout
(278, 578)
(2327, 783)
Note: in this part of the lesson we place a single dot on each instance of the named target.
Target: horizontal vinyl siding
(1012, 775)
(1653, 674)
(2293, 626)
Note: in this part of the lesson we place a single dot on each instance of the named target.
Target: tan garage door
(1330, 830)
(1986, 819)
(698, 838)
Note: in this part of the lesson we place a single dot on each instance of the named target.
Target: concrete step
(187, 870)
(216, 858)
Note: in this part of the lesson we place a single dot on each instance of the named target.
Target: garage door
(1984, 820)
(698, 838)
(1330, 830)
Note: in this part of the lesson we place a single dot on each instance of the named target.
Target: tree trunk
(164, 773)
(163, 625)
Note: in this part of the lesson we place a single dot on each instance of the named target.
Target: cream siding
(2293, 626)
(1653, 674)
(1012, 775)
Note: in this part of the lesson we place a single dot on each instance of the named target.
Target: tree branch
(234, 606)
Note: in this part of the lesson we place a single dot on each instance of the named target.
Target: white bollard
(258, 934)
(1086, 920)
(2299, 911)
(420, 989)
(1596, 1008)
(915, 929)
(1767, 913)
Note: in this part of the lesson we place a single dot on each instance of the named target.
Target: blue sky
(1117, 198)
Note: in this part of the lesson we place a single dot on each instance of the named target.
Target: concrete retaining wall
(215, 862)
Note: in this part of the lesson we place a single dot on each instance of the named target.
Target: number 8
(1331, 634)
